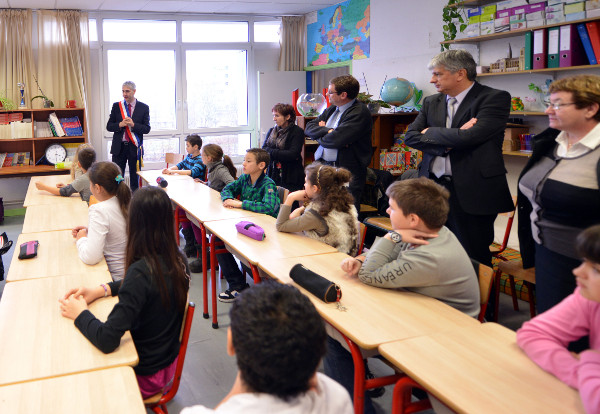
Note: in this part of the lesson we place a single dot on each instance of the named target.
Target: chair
(401, 400)
(381, 223)
(485, 275)
(514, 269)
(496, 249)
(172, 158)
(282, 193)
(157, 402)
(361, 237)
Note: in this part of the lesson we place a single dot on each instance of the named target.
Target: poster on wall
(341, 33)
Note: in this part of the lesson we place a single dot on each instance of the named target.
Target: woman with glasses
(558, 192)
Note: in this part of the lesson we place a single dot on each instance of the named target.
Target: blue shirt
(194, 164)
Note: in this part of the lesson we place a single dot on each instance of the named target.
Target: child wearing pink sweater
(545, 338)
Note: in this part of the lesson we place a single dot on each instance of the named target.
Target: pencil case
(316, 284)
(251, 230)
(28, 249)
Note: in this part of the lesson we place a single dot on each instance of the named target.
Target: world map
(341, 33)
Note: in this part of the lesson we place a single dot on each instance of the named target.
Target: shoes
(373, 392)
(196, 266)
(230, 295)
(190, 250)
(190, 242)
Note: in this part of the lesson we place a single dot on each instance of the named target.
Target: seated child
(278, 339)
(546, 337)
(257, 193)
(76, 170)
(420, 255)
(152, 296)
(330, 216)
(221, 170)
(81, 184)
(106, 233)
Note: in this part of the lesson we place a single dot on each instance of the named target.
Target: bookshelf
(36, 146)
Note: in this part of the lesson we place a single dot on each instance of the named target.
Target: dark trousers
(128, 154)
(474, 232)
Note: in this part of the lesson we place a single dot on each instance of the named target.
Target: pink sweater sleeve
(589, 381)
(545, 338)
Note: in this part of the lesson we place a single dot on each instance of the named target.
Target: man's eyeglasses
(557, 106)
(332, 93)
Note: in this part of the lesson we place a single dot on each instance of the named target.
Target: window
(144, 68)
(93, 30)
(155, 149)
(139, 31)
(232, 144)
(217, 89)
(214, 32)
(267, 31)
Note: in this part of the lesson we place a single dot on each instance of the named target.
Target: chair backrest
(184, 337)
(361, 237)
(511, 217)
(172, 158)
(485, 275)
(282, 193)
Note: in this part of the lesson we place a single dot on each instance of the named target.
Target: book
(2, 157)
(71, 126)
(8, 161)
(21, 158)
(53, 119)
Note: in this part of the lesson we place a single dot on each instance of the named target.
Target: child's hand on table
(232, 203)
(72, 306)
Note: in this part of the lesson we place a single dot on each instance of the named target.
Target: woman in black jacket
(284, 144)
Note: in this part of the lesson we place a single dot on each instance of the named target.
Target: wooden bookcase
(37, 146)
(382, 136)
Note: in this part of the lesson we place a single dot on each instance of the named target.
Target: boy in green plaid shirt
(257, 193)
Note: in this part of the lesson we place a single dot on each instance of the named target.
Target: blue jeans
(339, 366)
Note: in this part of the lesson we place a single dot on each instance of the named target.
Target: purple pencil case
(251, 230)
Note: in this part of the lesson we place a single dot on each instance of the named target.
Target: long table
(113, 390)
(480, 369)
(57, 256)
(66, 216)
(41, 197)
(38, 343)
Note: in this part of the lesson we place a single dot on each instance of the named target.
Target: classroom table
(38, 343)
(113, 390)
(480, 369)
(274, 246)
(57, 256)
(40, 218)
(372, 315)
(41, 197)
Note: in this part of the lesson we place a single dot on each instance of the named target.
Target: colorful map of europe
(341, 33)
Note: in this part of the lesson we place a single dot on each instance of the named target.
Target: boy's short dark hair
(423, 197)
(278, 337)
(86, 157)
(194, 140)
(260, 154)
(587, 244)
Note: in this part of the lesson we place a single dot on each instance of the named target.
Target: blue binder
(587, 45)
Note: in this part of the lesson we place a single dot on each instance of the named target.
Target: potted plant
(372, 104)
(452, 14)
(47, 102)
(5, 103)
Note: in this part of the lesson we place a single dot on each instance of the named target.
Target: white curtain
(292, 42)
(16, 58)
(63, 67)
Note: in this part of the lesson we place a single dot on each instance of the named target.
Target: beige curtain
(16, 58)
(63, 67)
(292, 42)
(321, 77)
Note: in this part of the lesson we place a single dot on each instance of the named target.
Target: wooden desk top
(480, 369)
(40, 197)
(275, 245)
(111, 390)
(374, 315)
(40, 218)
(38, 343)
(57, 255)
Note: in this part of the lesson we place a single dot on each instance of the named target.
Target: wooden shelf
(511, 33)
(517, 153)
(32, 170)
(65, 138)
(473, 3)
(528, 72)
(526, 113)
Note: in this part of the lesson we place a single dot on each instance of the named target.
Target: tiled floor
(209, 372)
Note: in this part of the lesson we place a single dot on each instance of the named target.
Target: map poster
(341, 33)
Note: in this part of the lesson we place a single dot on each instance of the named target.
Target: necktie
(441, 165)
(129, 108)
(451, 110)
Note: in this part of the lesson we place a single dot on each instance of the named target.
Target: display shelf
(32, 170)
(517, 153)
(527, 113)
(545, 70)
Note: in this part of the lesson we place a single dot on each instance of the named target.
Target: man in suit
(343, 132)
(129, 120)
(460, 131)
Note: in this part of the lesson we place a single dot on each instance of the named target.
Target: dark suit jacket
(141, 119)
(352, 137)
(478, 172)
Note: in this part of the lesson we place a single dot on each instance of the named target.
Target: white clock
(55, 153)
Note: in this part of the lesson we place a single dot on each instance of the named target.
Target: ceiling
(256, 7)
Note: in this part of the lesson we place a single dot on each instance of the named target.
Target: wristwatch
(396, 237)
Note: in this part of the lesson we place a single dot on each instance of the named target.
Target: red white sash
(131, 137)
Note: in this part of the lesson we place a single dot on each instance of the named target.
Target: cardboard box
(532, 8)
(536, 23)
(487, 17)
(575, 16)
(555, 8)
(487, 28)
(553, 18)
(592, 5)
(472, 30)
(511, 134)
(509, 4)
(518, 25)
(516, 18)
(535, 15)
(592, 13)
(491, 9)
(473, 11)
(552, 2)
(574, 7)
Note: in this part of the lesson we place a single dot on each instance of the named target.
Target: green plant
(45, 98)
(366, 98)
(533, 87)
(452, 13)
(6, 103)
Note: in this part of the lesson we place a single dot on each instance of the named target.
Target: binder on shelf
(55, 123)
(571, 49)
(540, 47)
(593, 29)
(587, 44)
(553, 42)
(528, 51)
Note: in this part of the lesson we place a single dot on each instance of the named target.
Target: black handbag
(316, 284)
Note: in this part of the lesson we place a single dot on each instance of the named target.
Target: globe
(311, 104)
(397, 91)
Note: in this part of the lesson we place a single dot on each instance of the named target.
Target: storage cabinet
(36, 146)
